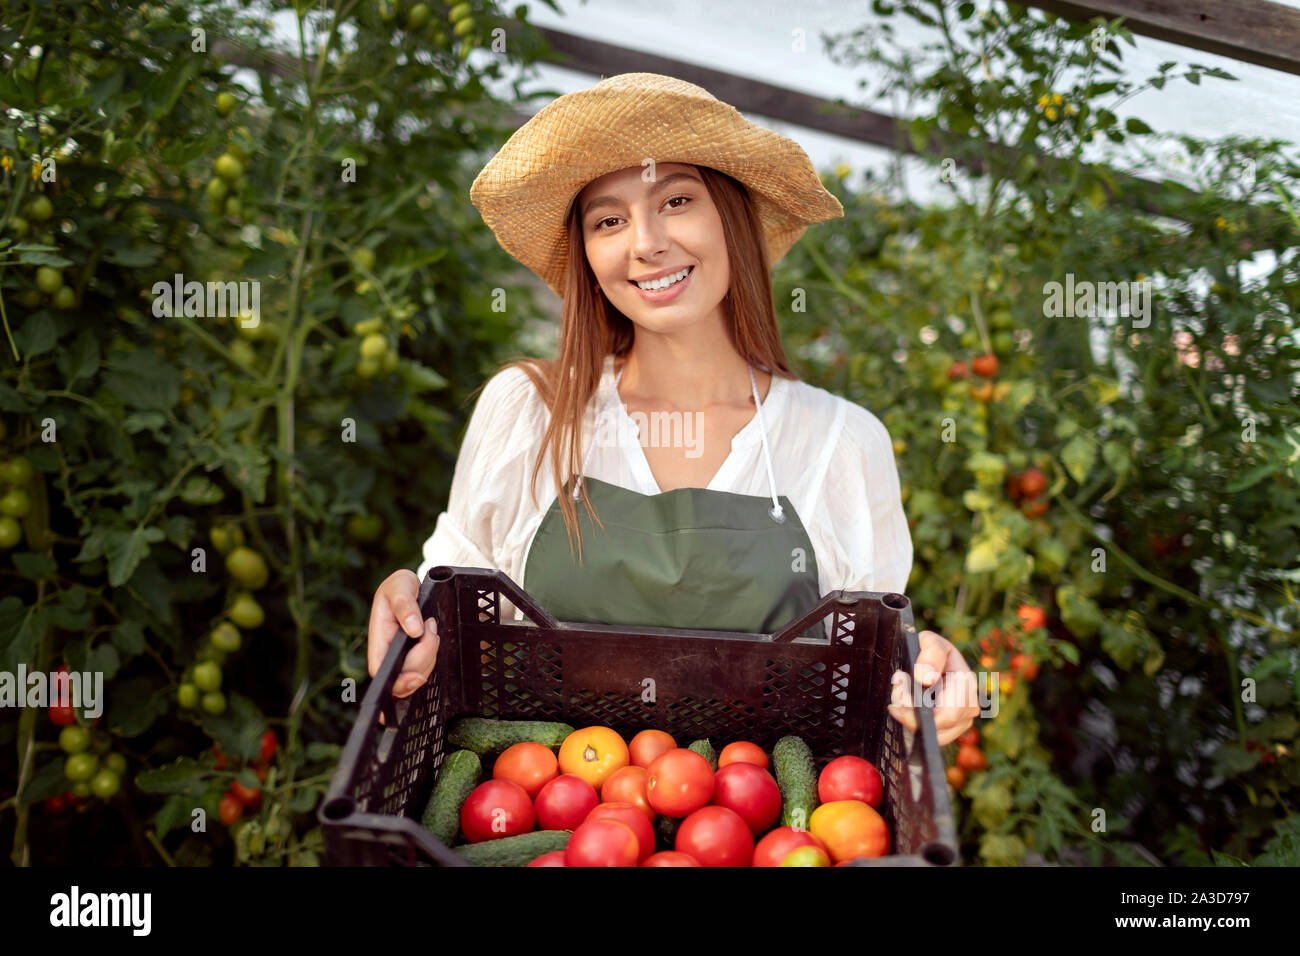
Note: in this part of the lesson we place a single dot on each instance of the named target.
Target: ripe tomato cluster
(997, 647)
(1027, 488)
(970, 759)
(984, 366)
(610, 793)
(238, 797)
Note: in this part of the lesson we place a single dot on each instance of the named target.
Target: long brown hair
(592, 328)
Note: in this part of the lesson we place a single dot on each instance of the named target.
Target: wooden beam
(812, 112)
(1254, 31)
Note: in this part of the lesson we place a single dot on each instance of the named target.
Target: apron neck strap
(777, 512)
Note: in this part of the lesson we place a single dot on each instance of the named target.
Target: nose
(649, 235)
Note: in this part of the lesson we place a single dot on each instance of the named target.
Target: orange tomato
(956, 777)
(742, 751)
(649, 744)
(531, 765)
(970, 757)
(849, 829)
(628, 785)
(592, 754)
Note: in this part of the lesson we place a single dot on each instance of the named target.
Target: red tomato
(61, 712)
(564, 802)
(1031, 617)
(554, 858)
(970, 757)
(528, 764)
(219, 760)
(986, 365)
(56, 803)
(742, 751)
(671, 858)
(851, 778)
(678, 782)
(751, 792)
(247, 796)
(628, 786)
(636, 821)
(649, 744)
(1033, 482)
(269, 745)
(602, 843)
(1024, 665)
(971, 737)
(494, 809)
(716, 836)
(230, 810)
(777, 845)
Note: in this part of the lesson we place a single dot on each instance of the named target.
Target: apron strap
(776, 511)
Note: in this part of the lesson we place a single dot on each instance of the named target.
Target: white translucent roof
(755, 38)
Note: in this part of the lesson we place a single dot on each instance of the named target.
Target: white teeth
(665, 282)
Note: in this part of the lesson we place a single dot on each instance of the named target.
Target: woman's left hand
(956, 703)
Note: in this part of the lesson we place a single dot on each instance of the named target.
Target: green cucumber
(519, 850)
(484, 735)
(456, 779)
(705, 750)
(796, 775)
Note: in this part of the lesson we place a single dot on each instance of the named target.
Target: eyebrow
(657, 187)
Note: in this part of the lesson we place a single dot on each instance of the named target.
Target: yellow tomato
(849, 829)
(593, 753)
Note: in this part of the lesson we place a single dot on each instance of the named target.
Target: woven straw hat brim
(525, 191)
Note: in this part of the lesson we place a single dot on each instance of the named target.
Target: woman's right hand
(396, 605)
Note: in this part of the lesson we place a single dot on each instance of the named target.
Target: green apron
(685, 558)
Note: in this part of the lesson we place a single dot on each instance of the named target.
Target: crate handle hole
(938, 854)
(442, 573)
(340, 808)
(895, 601)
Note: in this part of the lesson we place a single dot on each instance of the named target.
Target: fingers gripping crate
(724, 685)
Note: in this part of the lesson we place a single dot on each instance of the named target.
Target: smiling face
(633, 230)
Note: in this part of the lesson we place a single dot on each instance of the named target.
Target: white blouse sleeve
(873, 544)
(490, 475)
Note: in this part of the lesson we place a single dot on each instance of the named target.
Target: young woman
(655, 212)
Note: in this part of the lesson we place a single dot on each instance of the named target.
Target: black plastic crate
(725, 685)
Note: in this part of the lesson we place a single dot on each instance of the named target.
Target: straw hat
(525, 191)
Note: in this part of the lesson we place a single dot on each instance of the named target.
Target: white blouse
(831, 458)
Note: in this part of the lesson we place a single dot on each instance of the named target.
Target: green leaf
(247, 469)
(420, 378)
(918, 132)
(201, 490)
(1078, 456)
(135, 704)
(128, 637)
(184, 775)
(321, 750)
(1283, 848)
(126, 550)
(80, 358)
(1078, 612)
(37, 567)
(239, 730)
(175, 812)
(143, 379)
(1135, 125)
(48, 781)
(37, 335)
